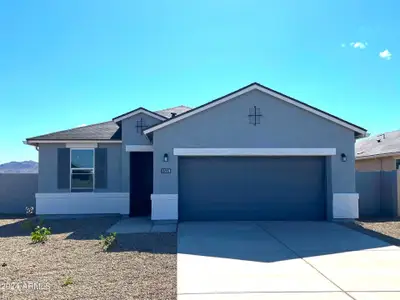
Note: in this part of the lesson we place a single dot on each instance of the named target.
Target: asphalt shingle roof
(101, 131)
(177, 110)
(389, 143)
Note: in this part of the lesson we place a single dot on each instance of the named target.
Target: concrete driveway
(284, 260)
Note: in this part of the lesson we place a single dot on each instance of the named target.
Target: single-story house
(254, 154)
(379, 153)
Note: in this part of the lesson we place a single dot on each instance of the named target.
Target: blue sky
(67, 63)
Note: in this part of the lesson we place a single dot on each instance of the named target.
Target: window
(82, 170)
(397, 164)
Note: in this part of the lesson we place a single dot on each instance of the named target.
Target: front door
(141, 183)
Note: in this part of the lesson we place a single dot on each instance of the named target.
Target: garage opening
(252, 188)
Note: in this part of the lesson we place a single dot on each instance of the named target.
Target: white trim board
(139, 148)
(266, 91)
(139, 111)
(254, 151)
(80, 195)
(345, 205)
(81, 145)
(73, 141)
(164, 206)
(82, 203)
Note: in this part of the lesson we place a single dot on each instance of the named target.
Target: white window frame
(71, 169)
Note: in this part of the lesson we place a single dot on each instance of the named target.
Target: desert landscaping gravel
(140, 266)
(387, 230)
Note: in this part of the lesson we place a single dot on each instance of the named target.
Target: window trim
(91, 169)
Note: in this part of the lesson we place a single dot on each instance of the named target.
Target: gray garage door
(251, 188)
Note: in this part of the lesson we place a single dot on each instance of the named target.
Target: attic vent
(380, 138)
(173, 114)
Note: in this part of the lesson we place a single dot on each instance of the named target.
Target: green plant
(68, 281)
(40, 234)
(108, 241)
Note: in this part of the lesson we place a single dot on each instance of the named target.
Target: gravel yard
(140, 266)
(387, 230)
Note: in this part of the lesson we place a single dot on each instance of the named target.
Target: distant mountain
(19, 167)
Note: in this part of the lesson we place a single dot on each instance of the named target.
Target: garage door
(251, 188)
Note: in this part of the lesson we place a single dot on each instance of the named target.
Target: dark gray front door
(252, 188)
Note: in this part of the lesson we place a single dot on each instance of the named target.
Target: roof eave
(388, 154)
(358, 130)
(62, 141)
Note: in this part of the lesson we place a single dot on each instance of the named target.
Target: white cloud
(385, 54)
(343, 45)
(359, 45)
(82, 125)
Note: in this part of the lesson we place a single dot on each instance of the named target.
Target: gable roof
(140, 110)
(385, 144)
(256, 86)
(106, 131)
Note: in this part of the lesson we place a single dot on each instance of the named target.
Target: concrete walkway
(284, 260)
(142, 225)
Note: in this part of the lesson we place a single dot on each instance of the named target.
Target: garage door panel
(251, 188)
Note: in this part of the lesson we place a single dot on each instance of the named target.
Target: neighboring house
(254, 154)
(379, 153)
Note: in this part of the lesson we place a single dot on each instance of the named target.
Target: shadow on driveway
(271, 241)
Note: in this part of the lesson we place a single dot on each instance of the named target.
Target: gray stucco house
(254, 154)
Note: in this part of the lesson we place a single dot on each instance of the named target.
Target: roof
(388, 145)
(140, 110)
(105, 131)
(256, 86)
(160, 114)
(178, 110)
(100, 131)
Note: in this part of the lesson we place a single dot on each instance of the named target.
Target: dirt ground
(140, 266)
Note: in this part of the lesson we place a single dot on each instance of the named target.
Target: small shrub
(40, 234)
(108, 241)
(68, 281)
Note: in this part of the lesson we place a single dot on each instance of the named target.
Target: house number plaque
(166, 171)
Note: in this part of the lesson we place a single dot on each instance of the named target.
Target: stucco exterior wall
(48, 168)
(47, 181)
(282, 126)
(376, 164)
(130, 136)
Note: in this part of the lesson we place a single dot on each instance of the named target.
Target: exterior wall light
(344, 157)
(165, 159)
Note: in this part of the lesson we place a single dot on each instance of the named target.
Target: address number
(166, 170)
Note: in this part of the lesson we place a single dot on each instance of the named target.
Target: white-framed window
(82, 170)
